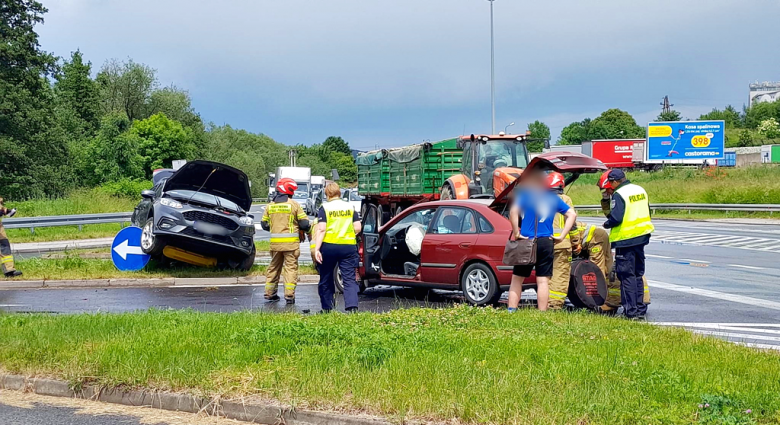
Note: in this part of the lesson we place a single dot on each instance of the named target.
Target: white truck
(301, 175)
(317, 184)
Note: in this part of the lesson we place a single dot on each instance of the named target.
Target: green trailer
(394, 179)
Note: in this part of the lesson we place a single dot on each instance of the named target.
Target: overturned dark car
(198, 214)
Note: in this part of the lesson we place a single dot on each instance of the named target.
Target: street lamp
(510, 124)
(492, 74)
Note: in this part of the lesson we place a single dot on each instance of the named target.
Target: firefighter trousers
(284, 264)
(6, 257)
(559, 282)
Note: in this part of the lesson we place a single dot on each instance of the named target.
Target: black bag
(521, 252)
(587, 285)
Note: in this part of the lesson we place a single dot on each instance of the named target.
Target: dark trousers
(346, 258)
(630, 267)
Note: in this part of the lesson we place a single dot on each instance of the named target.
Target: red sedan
(454, 244)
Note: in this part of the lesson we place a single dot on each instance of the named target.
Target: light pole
(492, 74)
(510, 124)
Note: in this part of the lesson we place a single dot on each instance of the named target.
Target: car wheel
(248, 261)
(150, 244)
(479, 285)
(339, 281)
(446, 192)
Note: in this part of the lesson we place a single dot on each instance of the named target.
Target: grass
(462, 365)
(72, 266)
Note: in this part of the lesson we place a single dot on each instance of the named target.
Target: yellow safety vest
(636, 219)
(338, 215)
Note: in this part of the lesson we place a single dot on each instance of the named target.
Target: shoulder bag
(521, 252)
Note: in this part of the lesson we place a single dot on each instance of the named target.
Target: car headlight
(246, 221)
(170, 203)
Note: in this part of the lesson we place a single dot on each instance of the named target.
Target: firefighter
(562, 251)
(311, 236)
(613, 283)
(6, 257)
(630, 229)
(284, 218)
(336, 245)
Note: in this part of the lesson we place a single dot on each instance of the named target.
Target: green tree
(126, 87)
(162, 140)
(78, 96)
(345, 165)
(574, 133)
(336, 144)
(745, 138)
(769, 128)
(671, 115)
(540, 134)
(113, 154)
(760, 112)
(176, 104)
(730, 116)
(614, 124)
(35, 158)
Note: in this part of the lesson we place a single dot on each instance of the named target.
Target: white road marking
(694, 261)
(736, 335)
(755, 302)
(14, 305)
(761, 346)
(742, 327)
(657, 256)
(232, 285)
(707, 325)
(746, 267)
(757, 332)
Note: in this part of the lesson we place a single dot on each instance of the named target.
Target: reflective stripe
(312, 246)
(290, 285)
(561, 222)
(284, 237)
(558, 295)
(591, 231)
(614, 291)
(636, 219)
(339, 228)
(7, 259)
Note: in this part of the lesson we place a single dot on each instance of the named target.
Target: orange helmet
(286, 186)
(555, 181)
(603, 183)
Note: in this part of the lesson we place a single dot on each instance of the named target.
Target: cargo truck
(459, 168)
(614, 153)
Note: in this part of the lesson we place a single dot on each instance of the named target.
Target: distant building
(768, 91)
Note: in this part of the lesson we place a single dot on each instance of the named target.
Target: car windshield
(503, 153)
(353, 196)
(204, 198)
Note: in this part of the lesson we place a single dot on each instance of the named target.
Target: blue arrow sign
(126, 250)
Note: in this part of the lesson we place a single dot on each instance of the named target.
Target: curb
(144, 283)
(262, 413)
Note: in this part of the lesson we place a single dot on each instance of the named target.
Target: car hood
(563, 162)
(226, 182)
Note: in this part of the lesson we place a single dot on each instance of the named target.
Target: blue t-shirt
(541, 205)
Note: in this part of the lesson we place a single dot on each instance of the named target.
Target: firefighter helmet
(286, 186)
(555, 181)
(603, 183)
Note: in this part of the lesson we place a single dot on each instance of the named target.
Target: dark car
(198, 214)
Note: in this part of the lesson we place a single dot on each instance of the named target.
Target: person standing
(630, 228)
(6, 255)
(338, 225)
(284, 218)
(562, 250)
(532, 216)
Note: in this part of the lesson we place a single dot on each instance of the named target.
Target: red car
(462, 240)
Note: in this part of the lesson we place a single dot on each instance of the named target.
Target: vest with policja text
(338, 219)
(636, 219)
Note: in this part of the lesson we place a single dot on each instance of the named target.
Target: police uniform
(283, 218)
(6, 257)
(559, 282)
(630, 224)
(310, 236)
(339, 247)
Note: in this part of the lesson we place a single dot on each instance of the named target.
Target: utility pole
(667, 107)
(292, 153)
(492, 74)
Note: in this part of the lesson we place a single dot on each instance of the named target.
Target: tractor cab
(491, 163)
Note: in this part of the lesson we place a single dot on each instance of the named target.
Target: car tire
(479, 285)
(339, 282)
(150, 244)
(247, 262)
(446, 193)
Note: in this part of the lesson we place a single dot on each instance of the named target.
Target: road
(719, 279)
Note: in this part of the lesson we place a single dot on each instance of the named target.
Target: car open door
(370, 240)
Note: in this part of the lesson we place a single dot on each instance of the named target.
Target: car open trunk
(216, 179)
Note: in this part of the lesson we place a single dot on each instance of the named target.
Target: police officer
(284, 218)
(630, 224)
(336, 245)
(613, 283)
(6, 259)
(559, 283)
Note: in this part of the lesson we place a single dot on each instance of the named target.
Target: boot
(272, 298)
(290, 300)
(13, 273)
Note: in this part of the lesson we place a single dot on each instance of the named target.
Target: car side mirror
(148, 194)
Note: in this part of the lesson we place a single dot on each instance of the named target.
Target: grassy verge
(459, 365)
(72, 266)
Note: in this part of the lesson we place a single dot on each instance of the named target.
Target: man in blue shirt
(532, 215)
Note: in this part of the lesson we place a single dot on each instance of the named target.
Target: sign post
(126, 252)
(685, 140)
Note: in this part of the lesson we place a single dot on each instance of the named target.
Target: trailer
(564, 148)
(614, 153)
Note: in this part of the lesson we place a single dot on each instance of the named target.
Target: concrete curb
(262, 413)
(143, 283)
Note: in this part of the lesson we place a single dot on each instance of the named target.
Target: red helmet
(286, 186)
(555, 181)
(603, 183)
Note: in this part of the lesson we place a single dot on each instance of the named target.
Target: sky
(384, 73)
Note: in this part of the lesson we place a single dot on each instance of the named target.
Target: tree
(113, 153)
(769, 128)
(670, 115)
(126, 87)
(34, 151)
(78, 96)
(760, 112)
(614, 124)
(745, 138)
(345, 165)
(162, 140)
(540, 134)
(730, 116)
(176, 104)
(575, 133)
(336, 144)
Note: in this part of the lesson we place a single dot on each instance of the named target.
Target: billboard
(685, 140)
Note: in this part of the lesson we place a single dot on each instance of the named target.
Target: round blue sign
(126, 252)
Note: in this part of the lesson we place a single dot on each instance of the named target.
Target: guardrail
(770, 208)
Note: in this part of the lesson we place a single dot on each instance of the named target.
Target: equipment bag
(521, 252)
(587, 285)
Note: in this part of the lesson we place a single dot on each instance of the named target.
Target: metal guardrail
(123, 218)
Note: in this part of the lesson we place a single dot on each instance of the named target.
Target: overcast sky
(395, 72)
